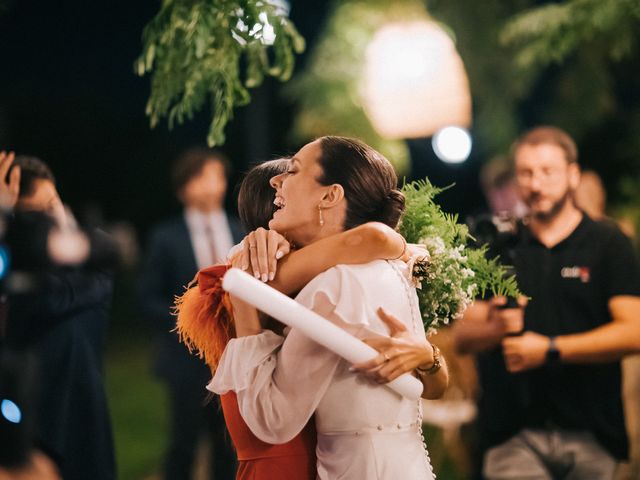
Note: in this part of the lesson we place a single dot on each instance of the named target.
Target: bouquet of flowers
(453, 274)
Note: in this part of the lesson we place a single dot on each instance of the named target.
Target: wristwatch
(436, 363)
(553, 354)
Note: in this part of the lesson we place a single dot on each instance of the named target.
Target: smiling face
(298, 195)
(546, 179)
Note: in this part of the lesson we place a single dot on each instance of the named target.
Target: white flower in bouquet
(452, 274)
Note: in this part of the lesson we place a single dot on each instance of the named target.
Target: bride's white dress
(365, 431)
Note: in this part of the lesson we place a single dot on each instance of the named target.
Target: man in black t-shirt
(549, 370)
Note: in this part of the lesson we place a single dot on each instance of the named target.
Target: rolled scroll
(319, 329)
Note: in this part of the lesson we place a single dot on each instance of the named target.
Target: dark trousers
(191, 418)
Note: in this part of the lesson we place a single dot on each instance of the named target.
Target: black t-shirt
(570, 285)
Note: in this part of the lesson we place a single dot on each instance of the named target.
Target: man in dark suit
(178, 248)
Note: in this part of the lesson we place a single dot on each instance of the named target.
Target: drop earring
(320, 216)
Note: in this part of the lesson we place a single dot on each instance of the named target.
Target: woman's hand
(9, 187)
(400, 353)
(262, 250)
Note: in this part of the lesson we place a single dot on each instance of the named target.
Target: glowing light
(4, 261)
(10, 411)
(414, 81)
(452, 144)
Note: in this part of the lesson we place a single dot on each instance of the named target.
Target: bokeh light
(10, 411)
(452, 144)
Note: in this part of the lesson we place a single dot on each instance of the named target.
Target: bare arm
(435, 385)
(484, 325)
(401, 353)
(247, 321)
(361, 244)
(607, 343)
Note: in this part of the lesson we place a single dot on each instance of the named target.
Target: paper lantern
(414, 81)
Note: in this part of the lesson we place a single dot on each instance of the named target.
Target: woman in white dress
(365, 431)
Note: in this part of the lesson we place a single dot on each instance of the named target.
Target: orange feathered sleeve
(204, 315)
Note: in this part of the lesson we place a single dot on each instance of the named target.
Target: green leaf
(455, 273)
(193, 50)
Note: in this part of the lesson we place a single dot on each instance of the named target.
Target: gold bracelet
(433, 369)
(404, 249)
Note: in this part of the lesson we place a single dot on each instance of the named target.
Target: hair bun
(393, 207)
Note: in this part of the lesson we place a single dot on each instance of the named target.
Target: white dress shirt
(210, 234)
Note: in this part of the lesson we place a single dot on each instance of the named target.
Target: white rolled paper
(319, 329)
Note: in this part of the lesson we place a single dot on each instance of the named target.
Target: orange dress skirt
(258, 460)
(205, 325)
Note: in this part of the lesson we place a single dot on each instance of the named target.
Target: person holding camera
(549, 365)
(58, 313)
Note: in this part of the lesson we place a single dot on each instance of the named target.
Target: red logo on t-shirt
(583, 273)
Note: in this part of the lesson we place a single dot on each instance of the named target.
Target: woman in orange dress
(205, 321)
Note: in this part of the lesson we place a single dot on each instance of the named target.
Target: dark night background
(68, 94)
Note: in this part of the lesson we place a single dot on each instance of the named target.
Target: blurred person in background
(201, 236)
(549, 369)
(59, 315)
(498, 183)
(591, 197)
(490, 226)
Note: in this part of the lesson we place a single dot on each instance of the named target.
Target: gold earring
(320, 216)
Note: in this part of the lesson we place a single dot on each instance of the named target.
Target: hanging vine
(195, 51)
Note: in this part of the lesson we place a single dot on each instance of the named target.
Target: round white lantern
(414, 81)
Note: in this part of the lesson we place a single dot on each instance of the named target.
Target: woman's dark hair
(368, 179)
(255, 195)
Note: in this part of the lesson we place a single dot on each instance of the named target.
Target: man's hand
(9, 188)
(525, 352)
(511, 319)
(400, 353)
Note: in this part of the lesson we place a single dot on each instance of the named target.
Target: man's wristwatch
(436, 363)
(553, 354)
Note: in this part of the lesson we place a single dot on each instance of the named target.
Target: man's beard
(555, 209)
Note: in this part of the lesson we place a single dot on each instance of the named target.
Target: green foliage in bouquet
(194, 49)
(454, 274)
